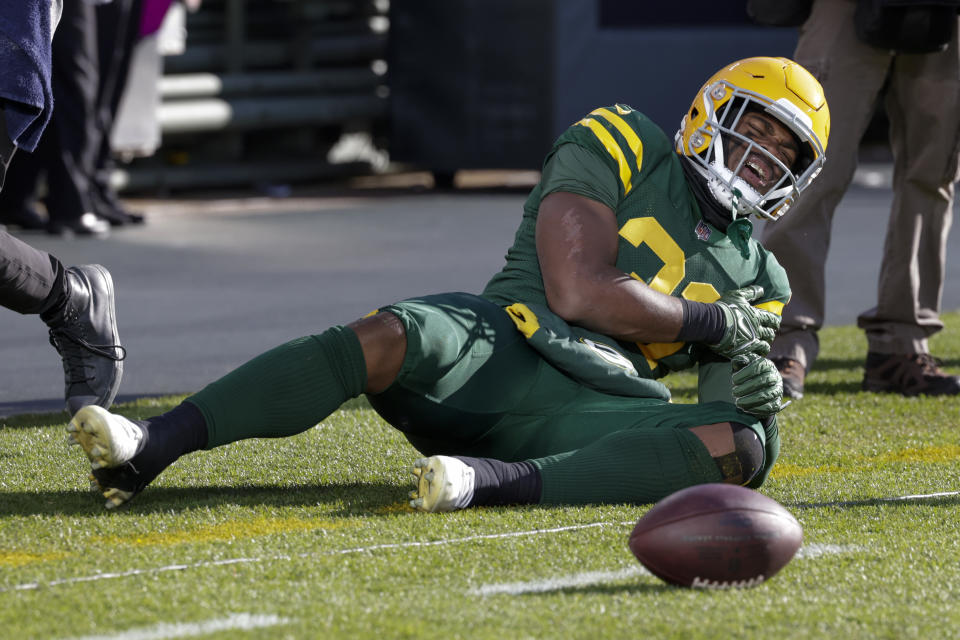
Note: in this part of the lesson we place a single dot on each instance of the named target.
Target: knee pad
(735, 448)
(748, 451)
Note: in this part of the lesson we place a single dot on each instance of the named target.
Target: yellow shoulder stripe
(635, 146)
(773, 306)
(633, 140)
(626, 174)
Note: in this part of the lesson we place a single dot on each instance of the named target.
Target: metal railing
(263, 91)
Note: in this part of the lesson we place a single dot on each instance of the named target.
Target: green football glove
(748, 329)
(757, 385)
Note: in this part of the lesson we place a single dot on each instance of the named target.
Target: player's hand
(757, 385)
(748, 329)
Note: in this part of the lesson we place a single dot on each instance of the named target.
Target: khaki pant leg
(922, 103)
(852, 75)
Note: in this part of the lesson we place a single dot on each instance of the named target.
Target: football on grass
(716, 536)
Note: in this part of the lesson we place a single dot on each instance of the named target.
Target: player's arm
(577, 244)
(577, 247)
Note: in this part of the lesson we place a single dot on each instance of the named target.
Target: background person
(911, 60)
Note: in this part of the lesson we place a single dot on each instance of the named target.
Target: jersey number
(638, 231)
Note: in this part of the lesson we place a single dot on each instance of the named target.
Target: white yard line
(560, 582)
(600, 577)
(368, 549)
(816, 550)
(869, 501)
(168, 630)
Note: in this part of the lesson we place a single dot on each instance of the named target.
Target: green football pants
(470, 385)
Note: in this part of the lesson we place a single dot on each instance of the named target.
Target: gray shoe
(85, 336)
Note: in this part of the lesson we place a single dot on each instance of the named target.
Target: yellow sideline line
(225, 531)
(22, 558)
(924, 455)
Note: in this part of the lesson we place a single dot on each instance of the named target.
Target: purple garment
(25, 34)
(152, 14)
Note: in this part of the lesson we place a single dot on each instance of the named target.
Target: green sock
(286, 390)
(633, 465)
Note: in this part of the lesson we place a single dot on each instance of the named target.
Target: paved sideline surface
(207, 284)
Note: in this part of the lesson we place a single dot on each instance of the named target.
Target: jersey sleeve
(599, 156)
(776, 286)
(575, 169)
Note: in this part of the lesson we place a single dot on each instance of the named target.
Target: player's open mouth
(757, 172)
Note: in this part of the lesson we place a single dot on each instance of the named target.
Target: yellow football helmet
(775, 86)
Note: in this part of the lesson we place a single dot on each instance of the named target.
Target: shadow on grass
(831, 388)
(358, 499)
(837, 364)
(35, 420)
(932, 500)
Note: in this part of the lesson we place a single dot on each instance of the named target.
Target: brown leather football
(716, 536)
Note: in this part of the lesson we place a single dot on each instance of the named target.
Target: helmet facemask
(717, 138)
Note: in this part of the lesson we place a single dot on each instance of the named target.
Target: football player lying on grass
(633, 258)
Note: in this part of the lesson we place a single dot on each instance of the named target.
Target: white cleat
(115, 497)
(108, 440)
(443, 484)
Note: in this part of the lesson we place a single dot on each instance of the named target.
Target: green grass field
(309, 537)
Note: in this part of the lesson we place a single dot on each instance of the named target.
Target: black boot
(84, 333)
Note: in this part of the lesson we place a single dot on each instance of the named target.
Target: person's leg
(640, 459)
(852, 75)
(296, 385)
(31, 281)
(280, 393)
(18, 182)
(705, 443)
(67, 144)
(117, 35)
(925, 137)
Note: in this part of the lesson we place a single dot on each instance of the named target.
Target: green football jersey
(619, 157)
